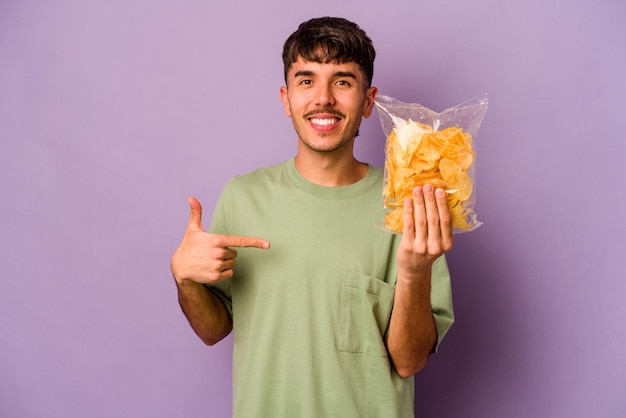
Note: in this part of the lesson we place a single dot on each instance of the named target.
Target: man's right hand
(207, 258)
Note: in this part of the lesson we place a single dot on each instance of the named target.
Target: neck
(325, 170)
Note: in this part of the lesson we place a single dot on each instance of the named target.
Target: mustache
(327, 111)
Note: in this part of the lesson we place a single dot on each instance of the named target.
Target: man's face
(326, 103)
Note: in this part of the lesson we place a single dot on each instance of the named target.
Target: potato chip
(417, 154)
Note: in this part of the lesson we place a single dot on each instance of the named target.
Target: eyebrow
(348, 74)
(307, 73)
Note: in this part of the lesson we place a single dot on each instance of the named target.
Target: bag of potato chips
(426, 147)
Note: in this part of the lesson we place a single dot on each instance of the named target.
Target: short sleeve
(441, 299)
(219, 225)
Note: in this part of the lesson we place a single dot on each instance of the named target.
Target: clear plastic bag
(426, 147)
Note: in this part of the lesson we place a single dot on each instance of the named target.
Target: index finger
(445, 217)
(244, 241)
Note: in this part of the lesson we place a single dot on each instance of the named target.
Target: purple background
(112, 113)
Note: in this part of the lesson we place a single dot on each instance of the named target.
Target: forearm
(206, 314)
(412, 332)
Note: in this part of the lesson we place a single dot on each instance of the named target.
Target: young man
(335, 318)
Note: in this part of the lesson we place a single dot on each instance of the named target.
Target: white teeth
(323, 122)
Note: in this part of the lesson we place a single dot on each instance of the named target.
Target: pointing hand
(207, 258)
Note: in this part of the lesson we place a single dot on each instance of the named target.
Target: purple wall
(112, 113)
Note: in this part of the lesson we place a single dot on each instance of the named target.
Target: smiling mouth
(324, 121)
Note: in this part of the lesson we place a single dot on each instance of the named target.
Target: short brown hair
(330, 39)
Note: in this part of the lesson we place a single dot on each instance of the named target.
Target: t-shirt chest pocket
(366, 305)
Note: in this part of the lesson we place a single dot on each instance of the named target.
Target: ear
(285, 99)
(370, 97)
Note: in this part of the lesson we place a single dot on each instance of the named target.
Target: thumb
(195, 219)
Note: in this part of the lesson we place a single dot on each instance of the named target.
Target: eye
(344, 83)
(305, 82)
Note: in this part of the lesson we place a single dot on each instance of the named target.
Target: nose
(324, 95)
